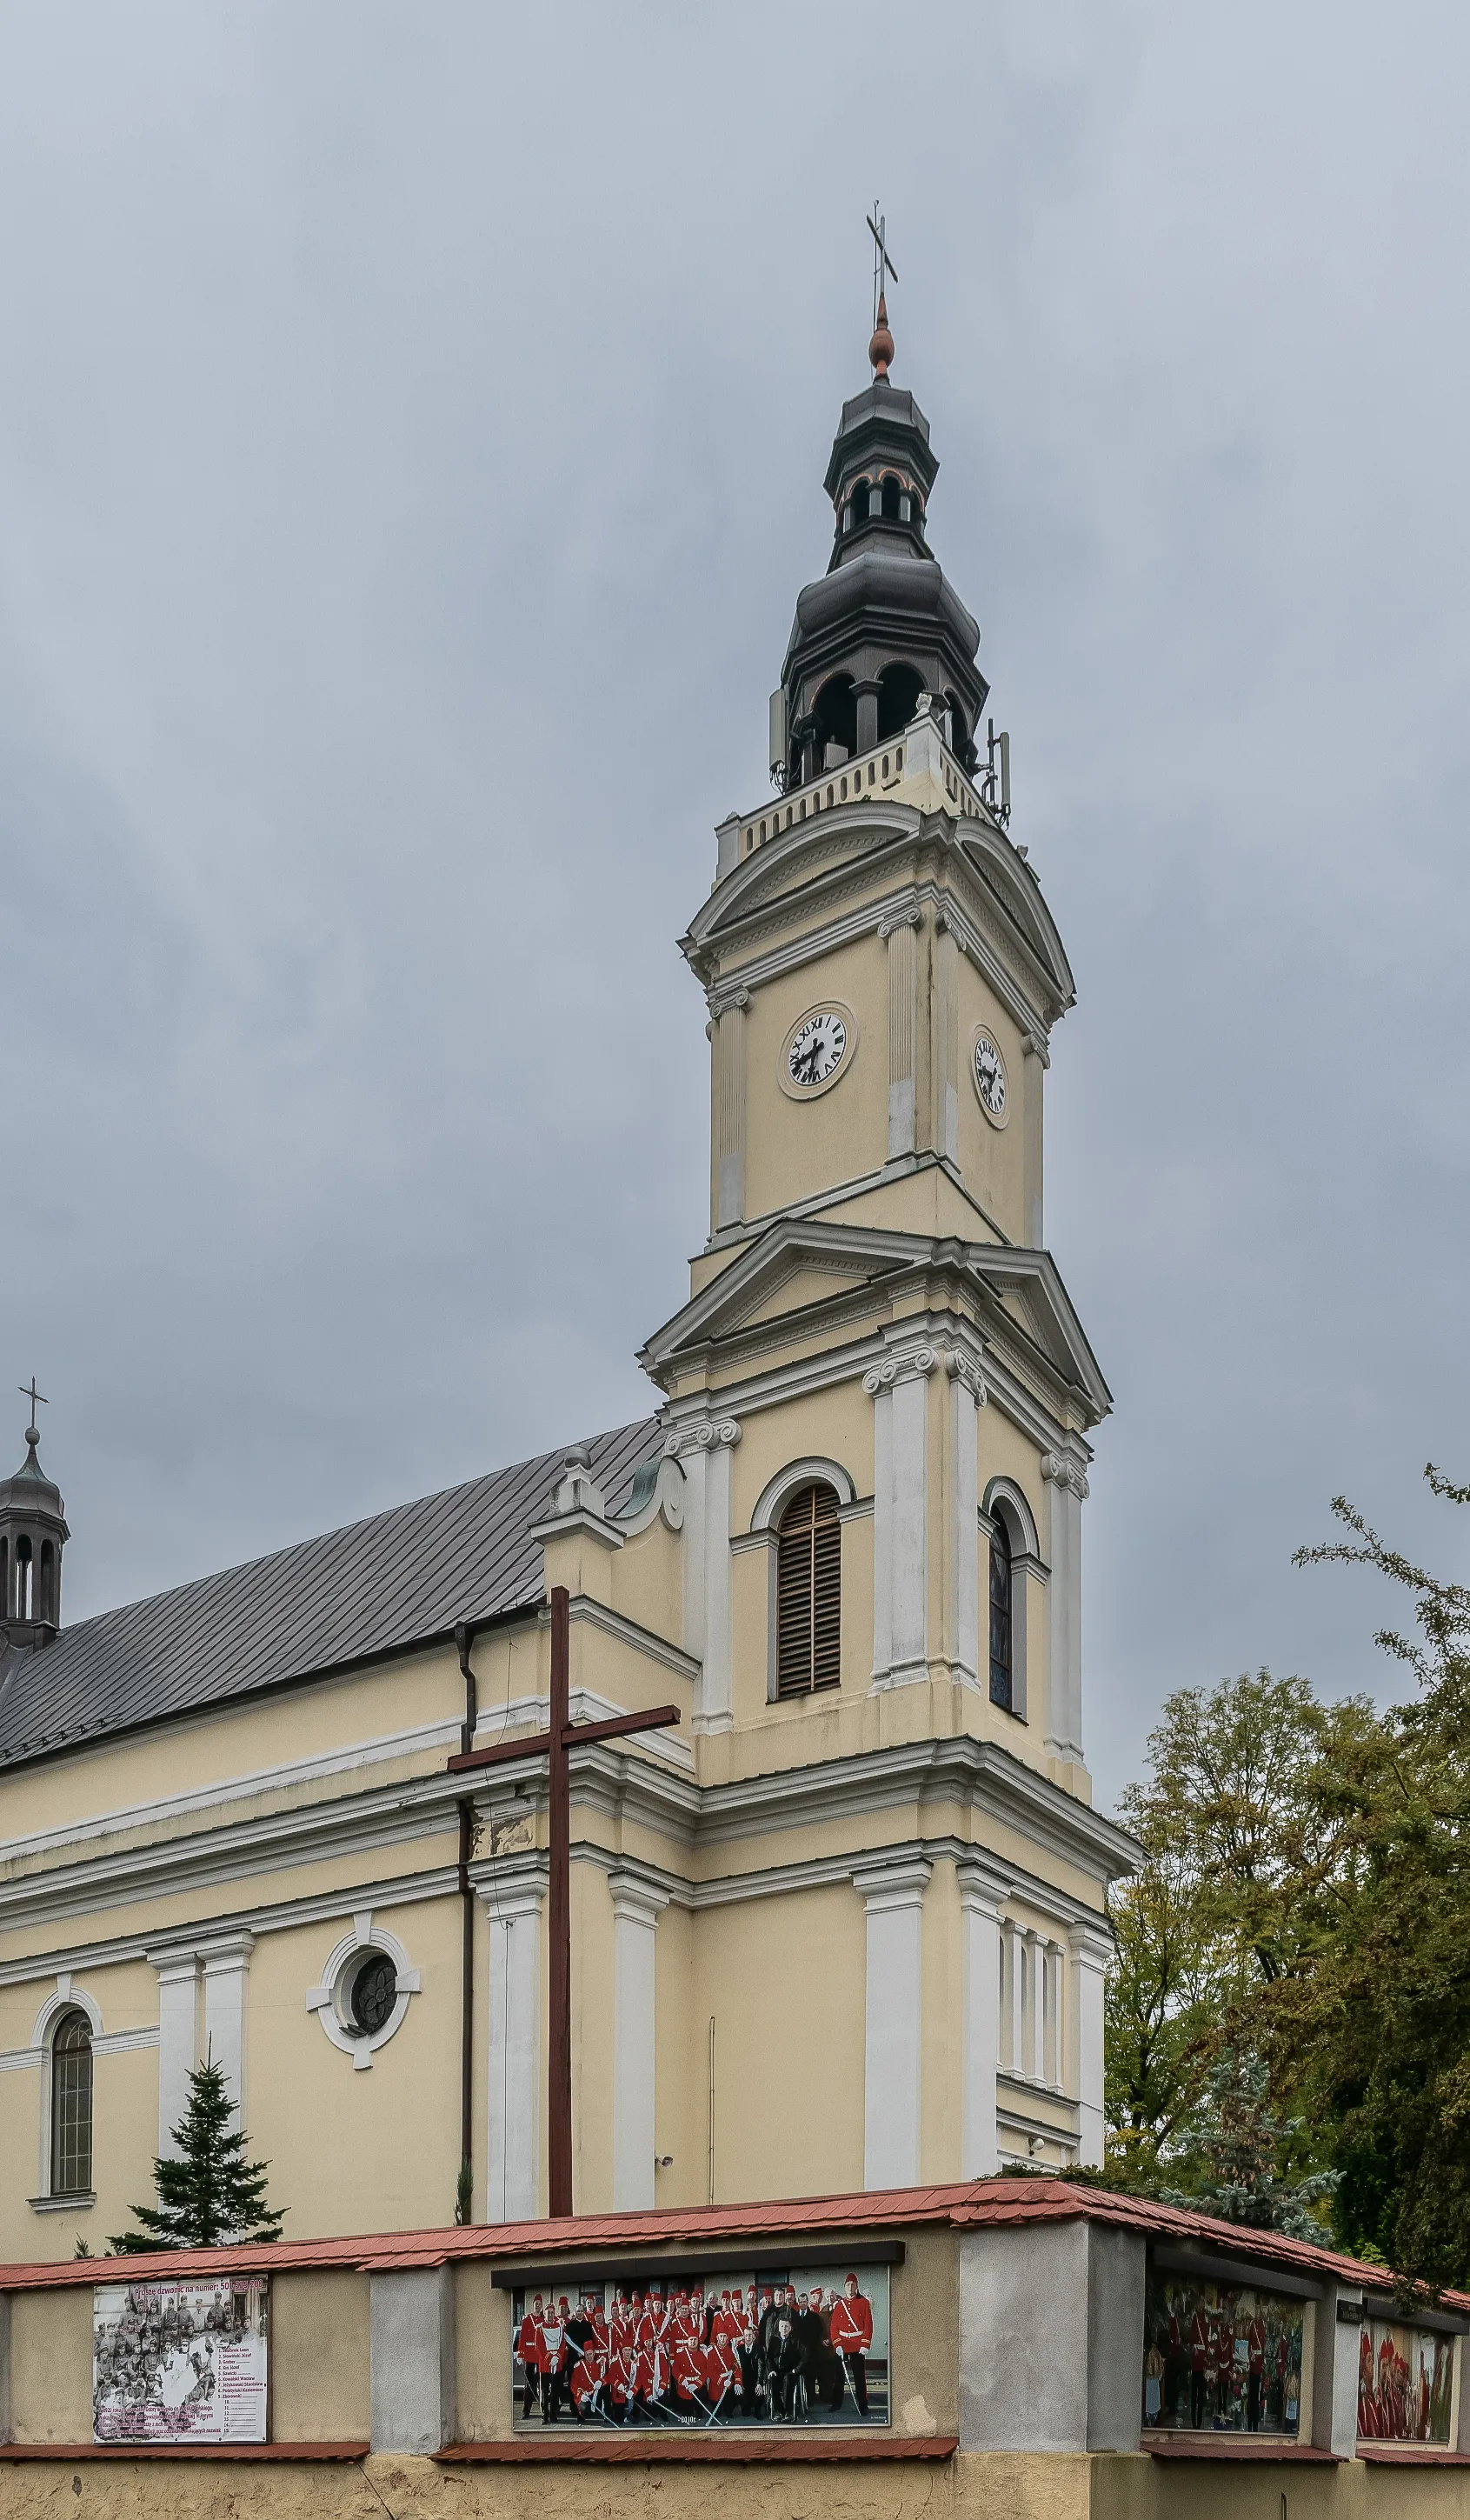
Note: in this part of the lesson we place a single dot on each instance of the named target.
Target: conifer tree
(208, 2196)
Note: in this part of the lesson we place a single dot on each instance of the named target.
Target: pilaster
(177, 1973)
(728, 1040)
(703, 1452)
(966, 1399)
(1092, 1952)
(636, 1911)
(902, 1030)
(1068, 1481)
(1035, 1062)
(892, 1894)
(898, 1389)
(981, 1893)
(227, 1972)
(512, 2155)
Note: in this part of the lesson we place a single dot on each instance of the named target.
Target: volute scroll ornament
(704, 1436)
(1065, 1470)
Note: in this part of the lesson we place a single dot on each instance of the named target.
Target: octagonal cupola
(32, 1535)
(885, 624)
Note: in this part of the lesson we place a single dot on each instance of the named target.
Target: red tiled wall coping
(647, 2449)
(962, 2206)
(68, 2454)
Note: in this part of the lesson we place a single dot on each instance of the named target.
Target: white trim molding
(330, 2000)
(800, 1474)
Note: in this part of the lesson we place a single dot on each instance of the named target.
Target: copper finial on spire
(880, 347)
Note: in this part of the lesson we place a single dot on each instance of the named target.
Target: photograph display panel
(179, 2361)
(1405, 2378)
(1220, 2357)
(805, 2346)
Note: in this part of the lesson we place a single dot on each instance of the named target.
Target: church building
(842, 1925)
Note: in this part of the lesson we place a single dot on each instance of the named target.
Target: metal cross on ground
(878, 228)
(29, 1392)
(555, 1746)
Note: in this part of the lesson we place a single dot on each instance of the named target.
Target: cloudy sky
(411, 426)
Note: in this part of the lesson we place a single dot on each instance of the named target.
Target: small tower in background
(32, 1535)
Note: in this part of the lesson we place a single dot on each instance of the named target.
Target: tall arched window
(808, 1592)
(72, 2106)
(1001, 1623)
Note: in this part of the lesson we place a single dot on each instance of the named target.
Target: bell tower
(32, 1535)
(881, 968)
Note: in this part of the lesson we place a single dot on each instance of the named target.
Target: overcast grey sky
(412, 427)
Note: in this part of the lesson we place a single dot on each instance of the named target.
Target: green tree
(1233, 1832)
(210, 2196)
(1238, 2153)
(1373, 2029)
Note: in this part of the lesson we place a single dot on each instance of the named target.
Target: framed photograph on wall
(805, 2346)
(180, 2362)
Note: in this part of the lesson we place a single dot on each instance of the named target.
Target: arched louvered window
(808, 1592)
(1001, 1623)
(72, 2106)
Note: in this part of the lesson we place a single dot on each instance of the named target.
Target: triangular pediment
(799, 1264)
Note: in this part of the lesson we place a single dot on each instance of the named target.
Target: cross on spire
(29, 1392)
(877, 229)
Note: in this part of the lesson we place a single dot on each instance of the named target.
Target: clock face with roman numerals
(991, 1081)
(817, 1048)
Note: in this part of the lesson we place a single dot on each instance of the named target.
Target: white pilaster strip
(902, 1030)
(636, 1911)
(893, 1894)
(966, 1398)
(703, 1450)
(980, 1895)
(1092, 1950)
(1069, 1487)
(900, 1392)
(1015, 1988)
(227, 1971)
(178, 1977)
(513, 2156)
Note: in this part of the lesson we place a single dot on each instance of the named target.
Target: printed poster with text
(179, 2361)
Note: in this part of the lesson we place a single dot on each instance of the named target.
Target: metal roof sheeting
(396, 1580)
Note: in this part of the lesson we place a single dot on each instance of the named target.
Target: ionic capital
(706, 1436)
(1065, 1470)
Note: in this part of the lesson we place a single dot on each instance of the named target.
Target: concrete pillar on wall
(227, 1971)
(178, 1978)
(966, 1396)
(981, 1892)
(413, 2360)
(900, 1392)
(902, 1030)
(1091, 1951)
(636, 1911)
(727, 1037)
(1335, 2349)
(1068, 1482)
(1051, 2338)
(512, 2155)
(893, 1893)
(1035, 1063)
(5, 2401)
(702, 1451)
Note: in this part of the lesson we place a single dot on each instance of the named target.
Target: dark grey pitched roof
(394, 1580)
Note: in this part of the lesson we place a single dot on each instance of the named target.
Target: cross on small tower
(878, 228)
(29, 1392)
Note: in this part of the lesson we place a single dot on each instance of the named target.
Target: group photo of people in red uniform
(803, 2347)
(1406, 2379)
(1218, 2359)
